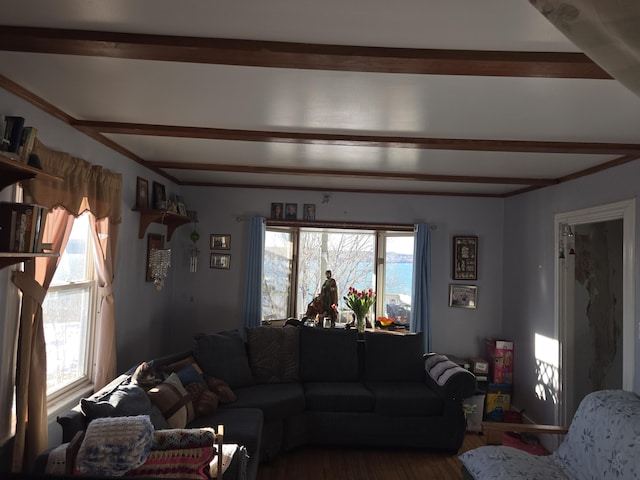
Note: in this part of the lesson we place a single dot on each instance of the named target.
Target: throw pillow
(224, 355)
(221, 390)
(274, 354)
(173, 401)
(204, 401)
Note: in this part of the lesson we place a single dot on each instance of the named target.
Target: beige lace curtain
(607, 31)
(84, 187)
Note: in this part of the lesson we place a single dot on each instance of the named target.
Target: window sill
(66, 402)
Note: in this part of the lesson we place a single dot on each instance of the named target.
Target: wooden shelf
(170, 219)
(7, 259)
(12, 171)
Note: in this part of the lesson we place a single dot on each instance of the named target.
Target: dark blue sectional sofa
(295, 385)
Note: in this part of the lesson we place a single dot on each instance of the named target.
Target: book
(7, 228)
(15, 125)
(21, 222)
(26, 142)
(39, 229)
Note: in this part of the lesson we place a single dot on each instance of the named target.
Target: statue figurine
(323, 304)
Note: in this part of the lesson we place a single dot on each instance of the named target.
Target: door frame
(563, 309)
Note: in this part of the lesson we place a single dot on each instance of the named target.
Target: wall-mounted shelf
(12, 171)
(170, 219)
(7, 259)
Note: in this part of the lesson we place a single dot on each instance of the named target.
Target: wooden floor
(327, 463)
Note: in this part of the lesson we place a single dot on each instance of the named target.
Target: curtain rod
(349, 225)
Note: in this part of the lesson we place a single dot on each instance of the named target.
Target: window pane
(66, 313)
(278, 265)
(349, 255)
(398, 281)
(73, 266)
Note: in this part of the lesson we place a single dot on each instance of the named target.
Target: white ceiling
(336, 121)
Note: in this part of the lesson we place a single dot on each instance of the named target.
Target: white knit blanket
(113, 445)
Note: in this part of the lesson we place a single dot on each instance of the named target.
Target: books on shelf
(21, 227)
(11, 127)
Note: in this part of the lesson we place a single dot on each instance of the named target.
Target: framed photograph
(276, 211)
(220, 260)
(159, 196)
(291, 211)
(464, 296)
(309, 211)
(220, 241)
(180, 206)
(154, 241)
(142, 194)
(465, 258)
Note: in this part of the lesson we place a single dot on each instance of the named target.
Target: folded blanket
(114, 445)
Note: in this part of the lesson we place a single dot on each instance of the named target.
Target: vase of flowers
(360, 301)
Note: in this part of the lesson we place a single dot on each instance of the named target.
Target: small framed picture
(464, 296)
(276, 211)
(182, 209)
(159, 196)
(309, 211)
(142, 194)
(291, 211)
(220, 241)
(465, 258)
(220, 260)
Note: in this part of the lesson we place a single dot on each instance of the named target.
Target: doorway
(595, 296)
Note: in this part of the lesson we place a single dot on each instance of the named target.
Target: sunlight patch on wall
(547, 368)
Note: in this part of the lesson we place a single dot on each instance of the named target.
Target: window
(69, 311)
(296, 259)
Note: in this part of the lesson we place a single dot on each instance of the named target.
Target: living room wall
(529, 255)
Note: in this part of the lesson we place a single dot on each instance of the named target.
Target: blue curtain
(421, 281)
(252, 314)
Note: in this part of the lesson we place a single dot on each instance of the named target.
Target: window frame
(59, 399)
(379, 231)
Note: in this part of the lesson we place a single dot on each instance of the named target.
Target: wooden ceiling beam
(257, 169)
(299, 55)
(380, 141)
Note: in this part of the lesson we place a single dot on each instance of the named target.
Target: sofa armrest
(493, 430)
(450, 380)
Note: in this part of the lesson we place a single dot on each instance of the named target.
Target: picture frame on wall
(277, 211)
(465, 258)
(220, 260)
(142, 194)
(309, 211)
(154, 241)
(220, 241)
(159, 196)
(463, 296)
(291, 211)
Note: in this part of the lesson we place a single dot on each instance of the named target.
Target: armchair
(601, 442)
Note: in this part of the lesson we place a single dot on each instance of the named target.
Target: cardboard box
(498, 401)
(479, 366)
(500, 353)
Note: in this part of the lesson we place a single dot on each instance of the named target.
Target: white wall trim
(625, 210)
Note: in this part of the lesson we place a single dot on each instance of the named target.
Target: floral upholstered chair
(603, 441)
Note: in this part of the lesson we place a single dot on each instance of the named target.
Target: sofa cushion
(328, 355)
(338, 397)
(224, 355)
(394, 358)
(274, 354)
(276, 400)
(405, 399)
(173, 401)
(242, 426)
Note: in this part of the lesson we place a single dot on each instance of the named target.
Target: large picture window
(296, 259)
